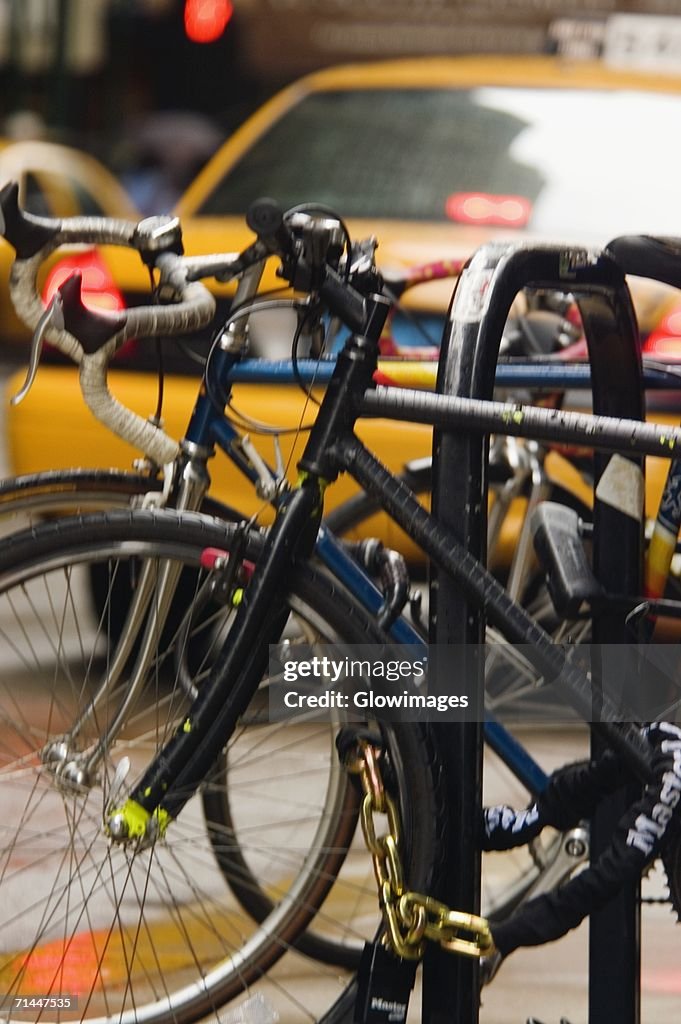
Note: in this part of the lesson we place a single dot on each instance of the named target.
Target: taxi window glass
(378, 153)
(34, 199)
(87, 202)
(59, 195)
(581, 159)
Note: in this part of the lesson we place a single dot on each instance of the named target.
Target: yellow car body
(52, 428)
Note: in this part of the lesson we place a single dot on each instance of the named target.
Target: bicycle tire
(248, 890)
(75, 491)
(47, 494)
(31, 564)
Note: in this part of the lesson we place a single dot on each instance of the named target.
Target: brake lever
(53, 317)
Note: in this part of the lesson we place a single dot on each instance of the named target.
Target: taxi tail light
(486, 208)
(665, 341)
(99, 289)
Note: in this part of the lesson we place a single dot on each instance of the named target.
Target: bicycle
(146, 529)
(233, 866)
(49, 492)
(518, 471)
(45, 493)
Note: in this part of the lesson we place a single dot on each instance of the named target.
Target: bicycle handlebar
(101, 336)
(91, 338)
(158, 240)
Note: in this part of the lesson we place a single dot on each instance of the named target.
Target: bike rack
(485, 291)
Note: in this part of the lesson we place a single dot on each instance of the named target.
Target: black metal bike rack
(480, 306)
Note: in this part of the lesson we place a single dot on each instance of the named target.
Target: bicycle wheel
(155, 934)
(39, 496)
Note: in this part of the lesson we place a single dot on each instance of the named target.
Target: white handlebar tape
(125, 423)
(195, 309)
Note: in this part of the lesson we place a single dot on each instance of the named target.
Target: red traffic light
(206, 20)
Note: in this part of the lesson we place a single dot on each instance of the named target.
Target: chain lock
(410, 918)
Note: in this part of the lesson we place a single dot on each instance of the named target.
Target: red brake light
(484, 208)
(665, 341)
(99, 288)
(663, 347)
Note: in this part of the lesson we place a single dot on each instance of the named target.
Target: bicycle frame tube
(536, 374)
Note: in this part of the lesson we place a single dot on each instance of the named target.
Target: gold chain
(410, 918)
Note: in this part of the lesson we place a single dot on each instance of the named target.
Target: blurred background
(151, 87)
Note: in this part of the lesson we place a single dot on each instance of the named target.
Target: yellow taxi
(426, 154)
(57, 181)
(434, 157)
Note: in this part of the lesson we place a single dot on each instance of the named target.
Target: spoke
(117, 904)
(159, 925)
(48, 918)
(15, 843)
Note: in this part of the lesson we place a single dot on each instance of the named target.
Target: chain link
(410, 918)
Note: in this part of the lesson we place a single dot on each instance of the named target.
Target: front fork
(144, 623)
(177, 771)
(156, 585)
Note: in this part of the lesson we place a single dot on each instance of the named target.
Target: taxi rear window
(379, 153)
(582, 160)
(59, 194)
